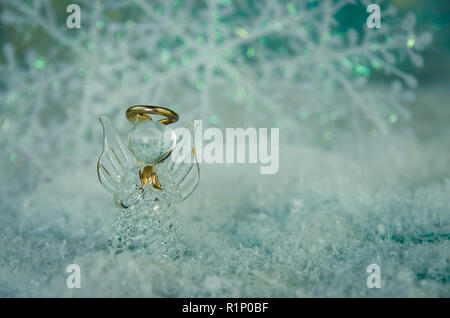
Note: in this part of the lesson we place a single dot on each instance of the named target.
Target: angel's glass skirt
(148, 229)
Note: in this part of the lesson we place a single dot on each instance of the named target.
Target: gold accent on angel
(148, 176)
(140, 113)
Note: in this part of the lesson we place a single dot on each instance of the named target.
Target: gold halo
(140, 113)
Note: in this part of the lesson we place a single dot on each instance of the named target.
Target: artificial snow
(310, 230)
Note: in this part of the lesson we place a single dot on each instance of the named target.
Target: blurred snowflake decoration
(241, 62)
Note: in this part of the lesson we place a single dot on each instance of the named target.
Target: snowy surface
(310, 230)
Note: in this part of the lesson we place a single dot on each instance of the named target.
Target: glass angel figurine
(157, 170)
